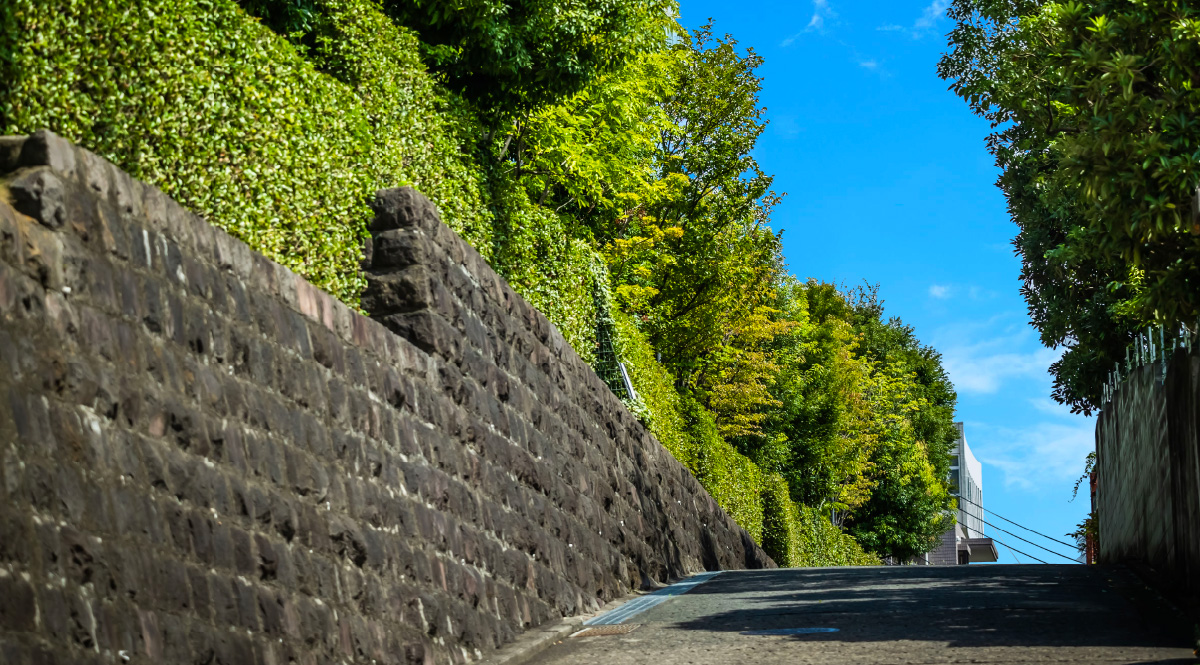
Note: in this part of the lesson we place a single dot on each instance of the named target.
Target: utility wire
(1072, 560)
(1013, 549)
(1012, 522)
(1010, 553)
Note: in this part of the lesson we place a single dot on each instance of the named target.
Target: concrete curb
(533, 642)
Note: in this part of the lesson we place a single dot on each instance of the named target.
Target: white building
(965, 542)
(966, 480)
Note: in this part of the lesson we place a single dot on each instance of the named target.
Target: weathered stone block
(398, 249)
(235, 451)
(10, 152)
(403, 207)
(45, 148)
(18, 603)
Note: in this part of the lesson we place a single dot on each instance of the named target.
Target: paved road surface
(953, 614)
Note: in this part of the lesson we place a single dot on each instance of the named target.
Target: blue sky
(888, 180)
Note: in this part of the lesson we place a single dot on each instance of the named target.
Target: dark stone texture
(206, 459)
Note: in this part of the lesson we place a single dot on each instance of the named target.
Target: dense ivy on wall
(605, 170)
(194, 97)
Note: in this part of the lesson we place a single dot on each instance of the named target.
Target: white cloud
(1049, 406)
(980, 358)
(1044, 448)
(932, 13)
(869, 64)
(983, 368)
(821, 11)
(973, 371)
(1041, 456)
(947, 291)
(924, 23)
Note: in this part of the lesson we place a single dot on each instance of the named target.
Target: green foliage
(1088, 527)
(893, 345)
(1089, 465)
(910, 503)
(1098, 143)
(510, 56)
(913, 402)
(660, 405)
(720, 267)
(192, 96)
(549, 268)
(730, 477)
(736, 378)
(691, 434)
(413, 122)
(821, 433)
(864, 422)
(592, 154)
(798, 535)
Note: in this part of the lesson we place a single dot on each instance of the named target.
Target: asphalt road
(952, 614)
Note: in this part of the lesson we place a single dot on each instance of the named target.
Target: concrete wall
(946, 553)
(205, 459)
(1148, 470)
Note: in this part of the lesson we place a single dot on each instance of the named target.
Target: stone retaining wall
(205, 459)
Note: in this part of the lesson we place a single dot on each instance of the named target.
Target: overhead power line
(1012, 522)
(1012, 554)
(1072, 560)
(1011, 548)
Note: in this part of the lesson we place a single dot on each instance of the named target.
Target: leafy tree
(736, 378)
(822, 438)
(1079, 299)
(591, 156)
(721, 267)
(893, 346)
(513, 55)
(864, 422)
(1094, 104)
(913, 401)
(653, 162)
(909, 506)
(508, 57)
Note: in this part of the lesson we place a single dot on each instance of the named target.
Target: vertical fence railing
(1146, 350)
(608, 363)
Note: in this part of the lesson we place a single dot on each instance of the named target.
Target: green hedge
(196, 97)
(687, 430)
(531, 247)
(417, 129)
(281, 146)
(801, 536)
(729, 476)
(659, 405)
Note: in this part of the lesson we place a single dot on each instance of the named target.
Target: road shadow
(1033, 606)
